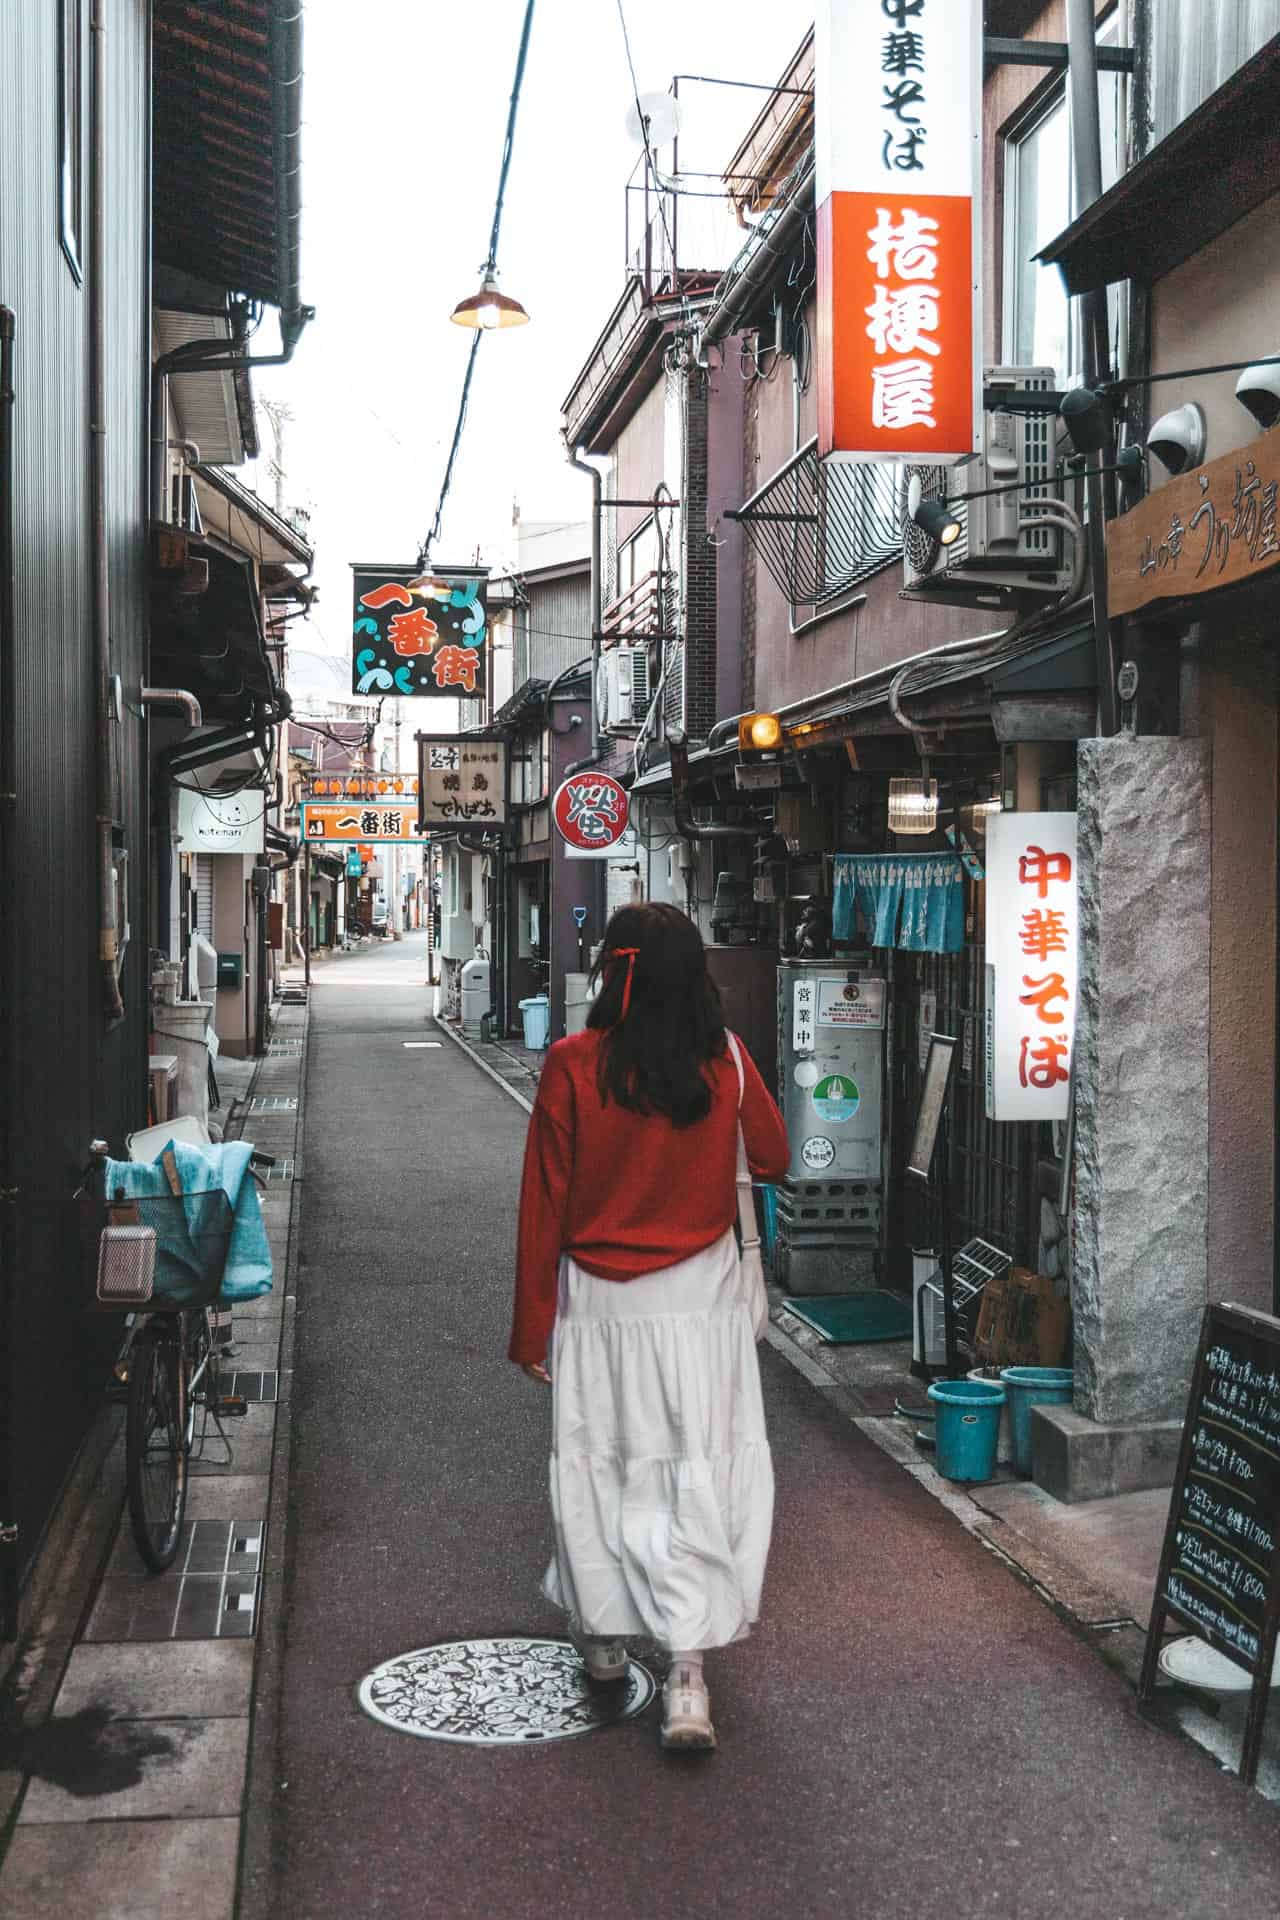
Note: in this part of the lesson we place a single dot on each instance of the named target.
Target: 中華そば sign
(419, 634)
(462, 780)
(897, 128)
(591, 811)
(1032, 963)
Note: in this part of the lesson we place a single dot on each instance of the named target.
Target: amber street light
(489, 309)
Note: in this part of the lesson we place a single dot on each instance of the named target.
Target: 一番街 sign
(897, 111)
(1032, 964)
(419, 635)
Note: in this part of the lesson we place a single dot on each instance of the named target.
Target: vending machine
(831, 1070)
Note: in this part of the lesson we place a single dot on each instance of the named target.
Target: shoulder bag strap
(747, 1226)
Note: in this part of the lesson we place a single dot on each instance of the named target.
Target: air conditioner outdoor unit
(622, 687)
(994, 562)
(457, 936)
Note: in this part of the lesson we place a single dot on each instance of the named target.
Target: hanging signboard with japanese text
(1216, 527)
(591, 811)
(350, 822)
(1032, 964)
(419, 635)
(463, 781)
(897, 111)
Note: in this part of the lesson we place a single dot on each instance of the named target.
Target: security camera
(1178, 438)
(1258, 389)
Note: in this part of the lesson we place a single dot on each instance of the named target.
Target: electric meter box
(831, 1030)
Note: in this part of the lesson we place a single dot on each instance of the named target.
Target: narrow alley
(910, 1724)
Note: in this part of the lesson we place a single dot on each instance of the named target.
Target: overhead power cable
(490, 266)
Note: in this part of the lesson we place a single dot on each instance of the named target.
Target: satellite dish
(655, 117)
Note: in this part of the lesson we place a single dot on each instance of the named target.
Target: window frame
(1046, 100)
(71, 135)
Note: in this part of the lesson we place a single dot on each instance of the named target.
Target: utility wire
(490, 266)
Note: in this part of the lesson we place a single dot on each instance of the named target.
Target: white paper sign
(1032, 964)
(803, 1008)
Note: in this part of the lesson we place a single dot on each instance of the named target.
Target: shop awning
(239, 519)
(206, 633)
(227, 86)
(1218, 164)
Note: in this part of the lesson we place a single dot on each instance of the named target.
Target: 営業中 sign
(420, 635)
(897, 113)
(1220, 1568)
(462, 780)
(591, 811)
(1032, 959)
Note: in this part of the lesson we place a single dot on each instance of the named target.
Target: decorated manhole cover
(490, 1693)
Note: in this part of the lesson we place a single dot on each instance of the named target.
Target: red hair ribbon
(629, 955)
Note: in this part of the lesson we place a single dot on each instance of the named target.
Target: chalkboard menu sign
(1220, 1570)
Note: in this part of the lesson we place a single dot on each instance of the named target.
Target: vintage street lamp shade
(489, 309)
(913, 806)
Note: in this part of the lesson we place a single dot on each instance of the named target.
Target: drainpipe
(574, 457)
(108, 954)
(1082, 73)
(686, 825)
(9, 989)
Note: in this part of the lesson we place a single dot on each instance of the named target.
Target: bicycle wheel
(156, 1444)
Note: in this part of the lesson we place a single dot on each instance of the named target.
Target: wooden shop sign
(1220, 1566)
(1214, 527)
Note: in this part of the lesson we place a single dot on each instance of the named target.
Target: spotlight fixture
(1258, 391)
(1178, 437)
(1084, 414)
(489, 309)
(913, 805)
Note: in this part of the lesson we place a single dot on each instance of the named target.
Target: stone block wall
(1140, 1267)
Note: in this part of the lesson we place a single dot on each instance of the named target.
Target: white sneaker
(604, 1659)
(686, 1710)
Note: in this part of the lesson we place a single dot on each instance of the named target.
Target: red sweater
(627, 1193)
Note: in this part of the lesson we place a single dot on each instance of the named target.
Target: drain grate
(274, 1103)
(260, 1387)
(284, 1049)
(282, 1170)
(513, 1692)
(210, 1593)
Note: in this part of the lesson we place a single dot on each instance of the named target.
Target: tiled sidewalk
(136, 1783)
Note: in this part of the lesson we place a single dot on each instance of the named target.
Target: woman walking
(627, 1264)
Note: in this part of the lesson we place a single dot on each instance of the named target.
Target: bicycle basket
(183, 1237)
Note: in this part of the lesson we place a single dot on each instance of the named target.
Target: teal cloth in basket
(224, 1165)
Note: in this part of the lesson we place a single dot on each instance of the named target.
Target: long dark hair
(654, 1059)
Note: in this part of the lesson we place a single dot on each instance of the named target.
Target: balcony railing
(822, 526)
(638, 614)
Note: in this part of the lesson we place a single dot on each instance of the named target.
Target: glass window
(71, 132)
(1041, 326)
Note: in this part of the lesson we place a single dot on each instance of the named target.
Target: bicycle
(165, 1254)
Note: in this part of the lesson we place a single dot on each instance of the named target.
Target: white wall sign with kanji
(463, 781)
(1032, 964)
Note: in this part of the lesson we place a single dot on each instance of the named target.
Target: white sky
(405, 106)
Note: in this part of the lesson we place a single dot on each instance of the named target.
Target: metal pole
(9, 984)
(306, 912)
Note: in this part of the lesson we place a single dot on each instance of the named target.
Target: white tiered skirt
(661, 1477)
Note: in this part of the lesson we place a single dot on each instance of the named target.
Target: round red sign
(591, 811)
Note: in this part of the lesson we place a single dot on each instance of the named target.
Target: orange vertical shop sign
(898, 138)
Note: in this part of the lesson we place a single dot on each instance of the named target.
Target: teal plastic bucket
(769, 1208)
(967, 1426)
(1033, 1387)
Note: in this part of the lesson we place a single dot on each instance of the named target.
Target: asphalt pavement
(910, 1730)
